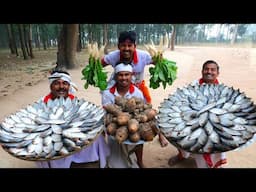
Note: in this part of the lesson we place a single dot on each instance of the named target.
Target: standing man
(210, 72)
(127, 53)
(119, 154)
(94, 155)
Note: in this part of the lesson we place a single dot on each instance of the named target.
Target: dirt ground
(24, 84)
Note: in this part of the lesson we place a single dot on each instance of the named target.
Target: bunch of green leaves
(164, 71)
(94, 74)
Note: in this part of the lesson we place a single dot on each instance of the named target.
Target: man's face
(126, 49)
(210, 73)
(123, 78)
(59, 88)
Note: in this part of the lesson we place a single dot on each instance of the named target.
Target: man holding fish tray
(58, 131)
(206, 119)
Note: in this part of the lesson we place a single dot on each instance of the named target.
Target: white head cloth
(123, 67)
(64, 77)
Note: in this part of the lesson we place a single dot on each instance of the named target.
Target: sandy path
(237, 68)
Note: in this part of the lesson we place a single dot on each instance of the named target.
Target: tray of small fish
(208, 118)
(43, 132)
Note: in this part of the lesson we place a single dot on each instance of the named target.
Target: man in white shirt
(210, 72)
(119, 155)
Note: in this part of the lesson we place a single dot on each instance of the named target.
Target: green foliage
(164, 72)
(94, 75)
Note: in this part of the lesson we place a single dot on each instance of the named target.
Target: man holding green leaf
(127, 53)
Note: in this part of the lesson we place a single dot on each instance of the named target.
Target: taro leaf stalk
(164, 71)
(93, 73)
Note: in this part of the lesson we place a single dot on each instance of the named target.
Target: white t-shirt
(119, 153)
(143, 59)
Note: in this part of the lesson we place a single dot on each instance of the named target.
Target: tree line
(72, 38)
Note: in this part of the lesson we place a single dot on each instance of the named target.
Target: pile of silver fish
(208, 118)
(53, 130)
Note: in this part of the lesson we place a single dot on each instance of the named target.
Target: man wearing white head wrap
(139, 59)
(120, 156)
(123, 67)
(92, 156)
(65, 77)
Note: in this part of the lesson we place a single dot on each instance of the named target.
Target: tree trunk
(173, 37)
(10, 38)
(37, 38)
(105, 38)
(67, 45)
(90, 38)
(43, 29)
(79, 42)
(30, 41)
(83, 39)
(14, 41)
(26, 39)
(22, 41)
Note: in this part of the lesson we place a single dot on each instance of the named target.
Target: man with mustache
(120, 156)
(92, 156)
(128, 53)
(210, 72)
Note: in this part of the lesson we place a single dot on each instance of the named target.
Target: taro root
(123, 118)
(133, 125)
(113, 109)
(138, 100)
(131, 113)
(121, 134)
(134, 137)
(151, 113)
(130, 105)
(147, 106)
(120, 101)
(142, 118)
(108, 119)
(146, 132)
(154, 127)
(111, 129)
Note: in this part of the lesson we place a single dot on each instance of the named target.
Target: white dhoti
(121, 155)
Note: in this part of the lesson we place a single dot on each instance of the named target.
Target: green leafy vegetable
(94, 74)
(164, 72)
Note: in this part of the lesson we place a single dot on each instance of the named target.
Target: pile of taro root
(131, 120)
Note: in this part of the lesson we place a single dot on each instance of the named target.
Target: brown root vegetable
(130, 105)
(121, 134)
(108, 118)
(134, 137)
(114, 119)
(147, 106)
(139, 101)
(140, 106)
(146, 132)
(151, 113)
(142, 118)
(113, 109)
(111, 129)
(120, 101)
(154, 127)
(136, 112)
(133, 125)
(123, 118)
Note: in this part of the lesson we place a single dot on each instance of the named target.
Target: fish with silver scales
(208, 118)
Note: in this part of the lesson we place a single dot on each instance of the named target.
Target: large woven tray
(90, 142)
(60, 128)
(208, 119)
